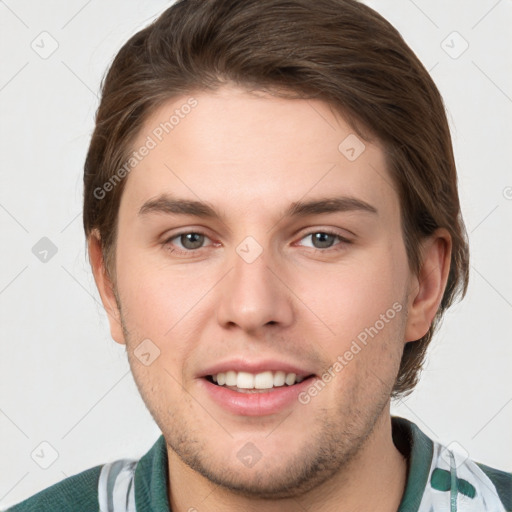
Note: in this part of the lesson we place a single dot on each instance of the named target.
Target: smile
(249, 382)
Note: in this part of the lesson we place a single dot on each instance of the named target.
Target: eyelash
(190, 252)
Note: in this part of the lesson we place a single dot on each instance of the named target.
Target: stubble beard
(327, 453)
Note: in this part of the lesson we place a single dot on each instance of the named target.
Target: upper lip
(255, 366)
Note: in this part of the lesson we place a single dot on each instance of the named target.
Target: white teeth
(279, 378)
(245, 380)
(263, 380)
(290, 379)
(231, 378)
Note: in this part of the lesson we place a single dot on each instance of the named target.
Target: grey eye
(321, 240)
(191, 240)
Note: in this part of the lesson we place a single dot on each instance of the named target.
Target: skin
(250, 155)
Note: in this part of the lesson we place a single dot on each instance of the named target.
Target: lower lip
(257, 403)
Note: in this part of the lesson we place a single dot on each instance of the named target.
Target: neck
(374, 479)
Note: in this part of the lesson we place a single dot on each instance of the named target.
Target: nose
(254, 296)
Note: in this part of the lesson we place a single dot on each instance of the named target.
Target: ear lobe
(426, 290)
(105, 286)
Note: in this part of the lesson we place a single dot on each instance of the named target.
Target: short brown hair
(338, 51)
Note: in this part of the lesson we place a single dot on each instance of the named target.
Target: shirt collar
(151, 477)
(418, 449)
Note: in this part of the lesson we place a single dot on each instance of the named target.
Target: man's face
(261, 290)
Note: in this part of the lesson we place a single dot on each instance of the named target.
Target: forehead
(242, 150)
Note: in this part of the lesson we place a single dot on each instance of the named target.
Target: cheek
(363, 306)
(156, 298)
(168, 308)
(352, 298)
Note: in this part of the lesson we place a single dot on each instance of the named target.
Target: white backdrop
(66, 384)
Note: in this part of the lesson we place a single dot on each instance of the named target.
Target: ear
(105, 286)
(426, 290)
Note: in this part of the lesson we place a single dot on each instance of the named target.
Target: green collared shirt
(438, 479)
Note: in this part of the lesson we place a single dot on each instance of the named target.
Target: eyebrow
(170, 205)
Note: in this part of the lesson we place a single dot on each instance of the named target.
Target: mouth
(262, 382)
(260, 394)
(245, 387)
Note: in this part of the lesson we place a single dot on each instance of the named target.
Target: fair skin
(301, 302)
